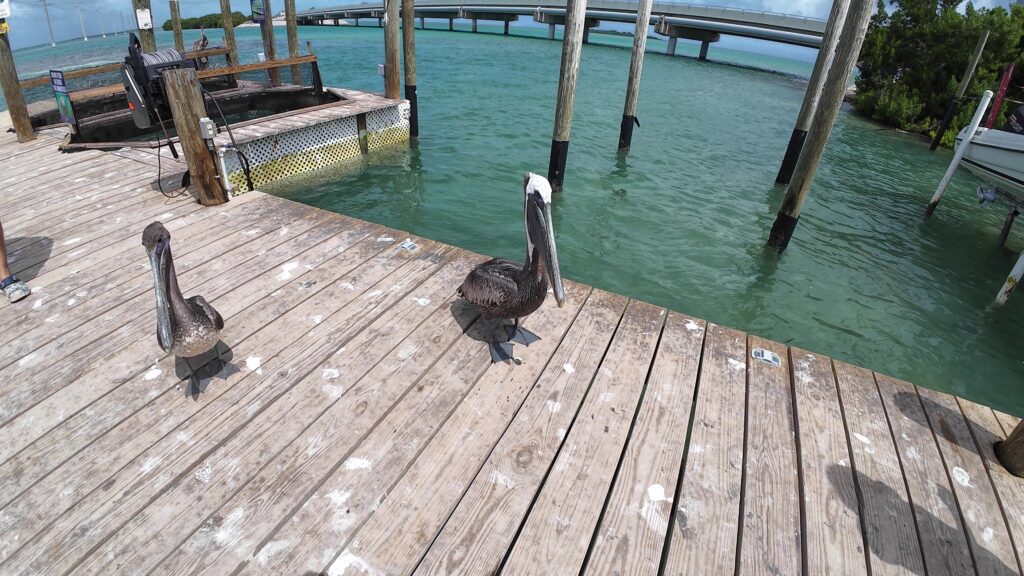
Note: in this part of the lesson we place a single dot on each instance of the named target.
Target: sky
(28, 27)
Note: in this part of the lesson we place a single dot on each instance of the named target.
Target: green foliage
(208, 21)
(914, 57)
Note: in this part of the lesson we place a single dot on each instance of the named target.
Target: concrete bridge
(703, 23)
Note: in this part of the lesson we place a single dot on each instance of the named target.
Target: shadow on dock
(31, 255)
(900, 509)
(905, 401)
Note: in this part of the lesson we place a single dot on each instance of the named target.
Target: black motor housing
(1015, 123)
(143, 81)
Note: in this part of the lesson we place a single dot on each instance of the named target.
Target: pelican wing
(491, 283)
(210, 312)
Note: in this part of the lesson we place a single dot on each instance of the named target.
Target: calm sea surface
(681, 221)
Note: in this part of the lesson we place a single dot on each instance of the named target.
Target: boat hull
(996, 157)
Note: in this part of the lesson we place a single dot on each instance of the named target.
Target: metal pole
(409, 55)
(636, 65)
(81, 19)
(954, 104)
(49, 25)
(572, 47)
(998, 103)
(832, 93)
(822, 65)
(392, 79)
(979, 114)
(179, 41)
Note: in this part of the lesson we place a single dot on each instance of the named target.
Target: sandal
(14, 289)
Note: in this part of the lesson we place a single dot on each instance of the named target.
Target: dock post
(506, 27)
(451, 24)
(832, 94)
(704, 45)
(409, 56)
(291, 20)
(822, 64)
(229, 31)
(636, 65)
(1008, 225)
(146, 37)
(423, 22)
(179, 42)
(269, 50)
(671, 51)
(959, 155)
(551, 31)
(1011, 282)
(474, 25)
(187, 107)
(954, 103)
(1004, 85)
(392, 81)
(572, 47)
(1011, 451)
(12, 91)
(586, 34)
(357, 22)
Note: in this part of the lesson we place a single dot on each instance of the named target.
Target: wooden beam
(269, 50)
(187, 107)
(409, 56)
(822, 64)
(636, 65)
(276, 64)
(229, 31)
(832, 94)
(293, 38)
(392, 82)
(12, 91)
(146, 37)
(179, 41)
(572, 46)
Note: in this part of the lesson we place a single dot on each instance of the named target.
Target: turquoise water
(681, 221)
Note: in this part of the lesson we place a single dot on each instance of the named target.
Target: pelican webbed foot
(520, 335)
(500, 351)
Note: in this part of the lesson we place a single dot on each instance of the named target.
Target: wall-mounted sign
(60, 92)
(5, 9)
(144, 19)
(258, 14)
(4, 28)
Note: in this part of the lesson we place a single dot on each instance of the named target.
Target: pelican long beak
(542, 233)
(159, 256)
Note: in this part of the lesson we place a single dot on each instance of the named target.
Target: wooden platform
(362, 428)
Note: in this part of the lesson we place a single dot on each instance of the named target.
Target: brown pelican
(185, 328)
(509, 290)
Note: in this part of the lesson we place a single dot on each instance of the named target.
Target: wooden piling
(187, 107)
(12, 91)
(269, 49)
(474, 25)
(179, 41)
(293, 38)
(954, 103)
(1011, 451)
(392, 78)
(146, 37)
(572, 47)
(958, 156)
(423, 23)
(506, 27)
(229, 31)
(636, 65)
(1012, 281)
(451, 24)
(409, 57)
(1004, 234)
(551, 31)
(822, 64)
(671, 50)
(833, 91)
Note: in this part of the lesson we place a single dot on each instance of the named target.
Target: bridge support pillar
(671, 51)
(380, 22)
(704, 50)
(423, 23)
(673, 32)
(474, 25)
(586, 35)
(451, 24)
(506, 27)
(357, 22)
(551, 31)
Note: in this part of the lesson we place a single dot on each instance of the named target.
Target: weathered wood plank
(943, 541)
(987, 532)
(631, 537)
(397, 535)
(1007, 421)
(888, 516)
(986, 430)
(705, 532)
(771, 540)
(833, 542)
(478, 534)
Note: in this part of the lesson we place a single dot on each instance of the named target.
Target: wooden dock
(362, 429)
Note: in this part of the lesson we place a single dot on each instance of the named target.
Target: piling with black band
(626, 131)
(556, 164)
(796, 145)
(782, 231)
(414, 114)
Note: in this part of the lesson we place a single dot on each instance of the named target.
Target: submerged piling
(409, 56)
(572, 46)
(834, 89)
(636, 64)
(958, 156)
(392, 83)
(822, 64)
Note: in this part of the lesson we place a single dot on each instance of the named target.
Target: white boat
(997, 157)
